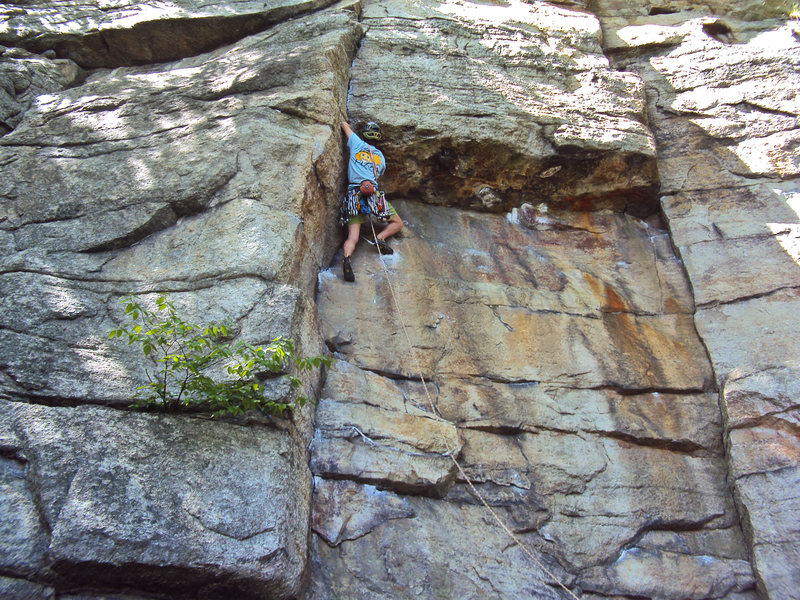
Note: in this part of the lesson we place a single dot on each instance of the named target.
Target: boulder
(179, 506)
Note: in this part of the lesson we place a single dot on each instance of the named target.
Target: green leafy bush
(186, 356)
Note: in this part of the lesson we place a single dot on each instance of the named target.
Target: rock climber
(365, 166)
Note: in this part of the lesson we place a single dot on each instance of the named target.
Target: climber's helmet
(371, 131)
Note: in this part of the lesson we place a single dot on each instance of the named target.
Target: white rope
(451, 451)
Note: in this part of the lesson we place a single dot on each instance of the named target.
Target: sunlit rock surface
(723, 103)
(519, 103)
(212, 179)
(98, 33)
(24, 76)
(465, 282)
(597, 283)
(207, 172)
(610, 433)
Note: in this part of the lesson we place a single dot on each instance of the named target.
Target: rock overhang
(96, 34)
(489, 106)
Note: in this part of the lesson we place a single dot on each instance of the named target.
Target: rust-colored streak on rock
(614, 302)
(634, 339)
(607, 299)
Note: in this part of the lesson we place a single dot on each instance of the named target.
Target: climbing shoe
(382, 245)
(347, 270)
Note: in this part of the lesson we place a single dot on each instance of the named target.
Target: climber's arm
(347, 129)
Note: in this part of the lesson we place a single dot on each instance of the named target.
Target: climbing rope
(451, 451)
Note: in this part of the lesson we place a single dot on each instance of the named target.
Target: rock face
(724, 108)
(211, 179)
(103, 34)
(575, 376)
(609, 437)
(124, 149)
(520, 102)
(146, 516)
(24, 76)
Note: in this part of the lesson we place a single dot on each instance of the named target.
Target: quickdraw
(354, 203)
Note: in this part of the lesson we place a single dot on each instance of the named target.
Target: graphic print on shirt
(363, 156)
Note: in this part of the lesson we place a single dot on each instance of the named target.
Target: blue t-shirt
(359, 167)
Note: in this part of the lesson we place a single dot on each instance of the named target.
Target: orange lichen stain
(672, 306)
(614, 301)
(594, 285)
(585, 220)
(607, 299)
(631, 346)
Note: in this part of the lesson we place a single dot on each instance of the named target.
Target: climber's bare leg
(394, 225)
(353, 230)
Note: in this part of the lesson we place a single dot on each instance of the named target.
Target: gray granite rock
(24, 77)
(576, 362)
(344, 510)
(155, 503)
(97, 33)
(236, 234)
(519, 104)
(20, 589)
(446, 550)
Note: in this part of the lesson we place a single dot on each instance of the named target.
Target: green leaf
(184, 354)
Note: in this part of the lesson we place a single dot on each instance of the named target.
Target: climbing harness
(451, 451)
(365, 200)
(355, 203)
